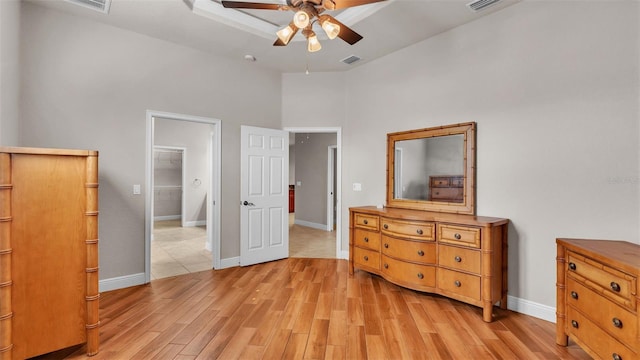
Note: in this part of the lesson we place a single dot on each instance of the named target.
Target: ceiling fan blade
(250, 5)
(279, 43)
(345, 33)
(342, 4)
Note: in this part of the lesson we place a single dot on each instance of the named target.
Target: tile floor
(176, 250)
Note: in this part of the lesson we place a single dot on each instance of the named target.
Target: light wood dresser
(597, 297)
(446, 188)
(463, 257)
(48, 251)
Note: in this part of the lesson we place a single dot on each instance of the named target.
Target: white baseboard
(121, 282)
(531, 308)
(344, 254)
(229, 262)
(195, 223)
(167, 217)
(311, 224)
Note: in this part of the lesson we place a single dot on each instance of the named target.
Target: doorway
(317, 192)
(200, 189)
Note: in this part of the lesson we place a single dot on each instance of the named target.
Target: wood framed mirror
(433, 169)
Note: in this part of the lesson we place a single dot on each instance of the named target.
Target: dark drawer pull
(386, 266)
(615, 286)
(574, 295)
(457, 259)
(616, 356)
(574, 324)
(457, 283)
(366, 239)
(420, 253)
(617, 323)
(366, 258)
(572, 266)
(386, 226)
(365, 221)
(419, 231)
(386, 246)
(420, 276)
(457, 236)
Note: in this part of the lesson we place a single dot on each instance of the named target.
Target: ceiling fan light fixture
(332, 29)
(287, 33)
(313, 44)
(301, 19)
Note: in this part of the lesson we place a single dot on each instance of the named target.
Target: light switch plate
(136, 189)
(357, 187)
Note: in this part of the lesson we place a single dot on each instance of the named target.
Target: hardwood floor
(306, 309)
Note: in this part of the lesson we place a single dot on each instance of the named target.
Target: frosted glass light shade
(287, 33)
(331, 29)
(301, 19)
(313, 44)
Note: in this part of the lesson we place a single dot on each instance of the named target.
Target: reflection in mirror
(436, 168)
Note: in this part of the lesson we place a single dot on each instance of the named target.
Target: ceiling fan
(308, 12)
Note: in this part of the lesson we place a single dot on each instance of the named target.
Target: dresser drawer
(447, 193)
(405, 272)
(444, 181)
(613, 284)
(459, 258)
(609, 316)
(459, 283)
(366, 221)
(366, 258)
(409, 229)
(591, 336)
(459, 235)
(415, 251)
(367, 239)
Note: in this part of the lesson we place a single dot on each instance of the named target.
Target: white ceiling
(203, 24)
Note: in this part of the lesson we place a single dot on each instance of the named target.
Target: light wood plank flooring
(306, 309)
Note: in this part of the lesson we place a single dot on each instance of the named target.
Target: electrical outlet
(357, 187)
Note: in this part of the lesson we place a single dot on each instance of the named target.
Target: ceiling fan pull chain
(307, 72)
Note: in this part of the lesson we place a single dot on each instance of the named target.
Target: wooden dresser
(463, 257)
(598, 297)
(446, 188)
(48, 251)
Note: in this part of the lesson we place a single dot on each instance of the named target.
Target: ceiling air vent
(97, 5)
(350, 60)
(481, 4)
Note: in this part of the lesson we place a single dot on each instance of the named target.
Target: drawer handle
(574, 324)
(366, 239)
(366, 258)
(616, 356)
(386, 246)
(617, 323)
(457, 283)
(386, 226)
(420, 276)
(457, 236)
(457, 259)
(574, 295)
(420, 253)
(419, 231)
(386, 266)
(572, 266)
(365, 221)
(615, 286)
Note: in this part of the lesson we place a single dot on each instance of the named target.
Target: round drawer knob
(366, 239)
(420, 253)
(574, 324)
(616, 356)
(366, 258)
(572, 266)
(419, 231)
(457, 283)
(365, 221)
(457, 259)
(457, 236)
(420, 276)
(385, 226)
(386, 246)
(615, 286)
(574, 295)
(617, 323)
(386, 266)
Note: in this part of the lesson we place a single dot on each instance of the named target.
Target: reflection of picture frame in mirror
(432, 169)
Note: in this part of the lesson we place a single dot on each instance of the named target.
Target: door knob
(246, 203)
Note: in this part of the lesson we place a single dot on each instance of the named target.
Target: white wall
(89, 85)
(553, 87)
(9, 72)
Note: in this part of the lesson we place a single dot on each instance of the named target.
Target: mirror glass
(432, 169)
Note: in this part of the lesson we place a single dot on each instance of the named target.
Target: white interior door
(264, 195)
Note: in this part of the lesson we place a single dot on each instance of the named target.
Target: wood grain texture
(306, 308)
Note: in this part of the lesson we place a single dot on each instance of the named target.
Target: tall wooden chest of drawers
(48, 251)
(598, 297)
(463, 257)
